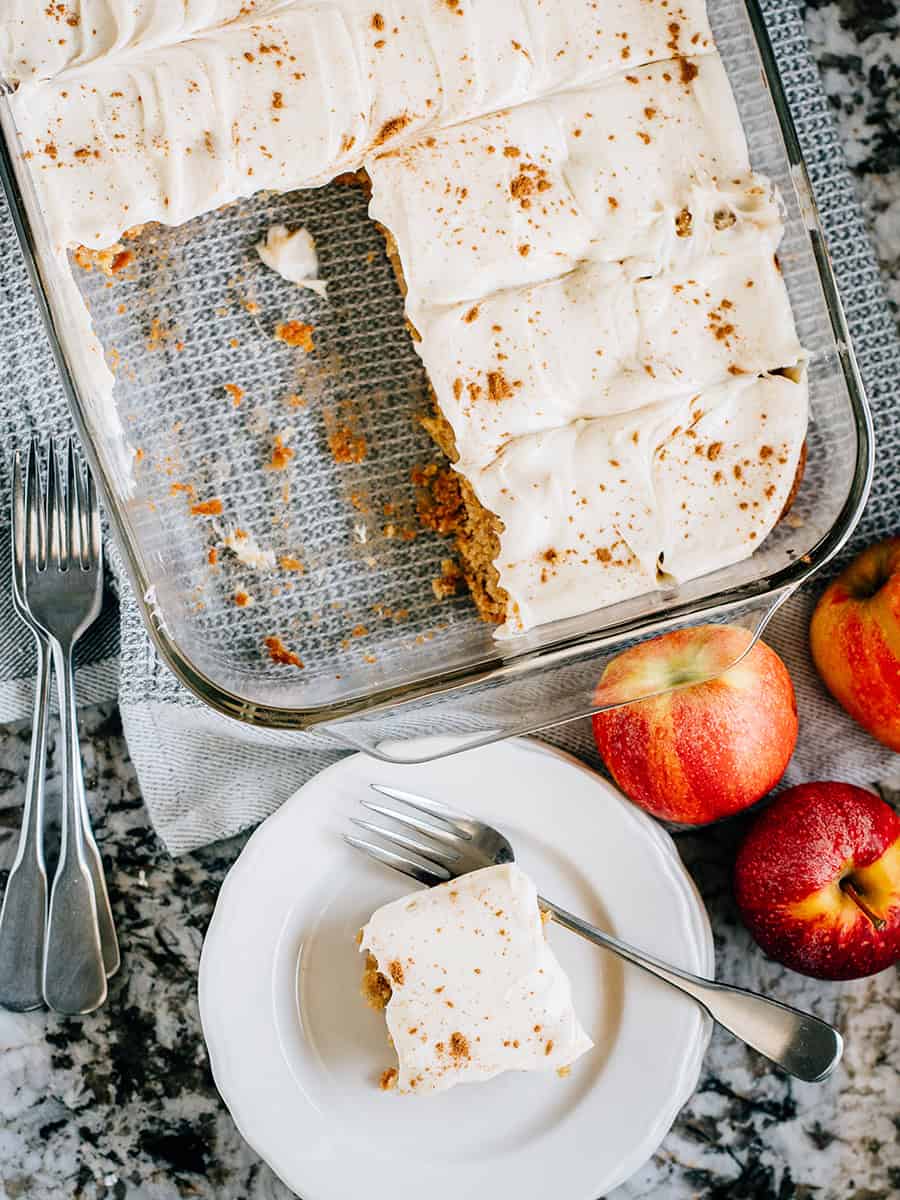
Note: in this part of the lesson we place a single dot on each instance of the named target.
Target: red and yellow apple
(705, 751)
(817, 881)
(855, 640)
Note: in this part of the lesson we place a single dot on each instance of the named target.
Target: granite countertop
(121, 1104)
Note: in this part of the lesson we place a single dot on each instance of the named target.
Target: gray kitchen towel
(204, 776)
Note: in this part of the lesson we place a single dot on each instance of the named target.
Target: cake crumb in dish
(347, 446)
(280, 654)
(388, 1080)
(292, 255)
(159, 335)
(207, 508)
(110, 261)
(248, 551)
(296, 334)
(281, 455)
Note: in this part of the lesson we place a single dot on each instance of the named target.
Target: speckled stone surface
(121, 1104)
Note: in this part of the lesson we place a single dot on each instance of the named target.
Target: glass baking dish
(386, 663)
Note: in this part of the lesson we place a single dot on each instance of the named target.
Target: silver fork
(449, 843)
(63, 593)
(24, 915)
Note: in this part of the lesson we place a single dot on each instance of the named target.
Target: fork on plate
(58, 566)
(434, 842)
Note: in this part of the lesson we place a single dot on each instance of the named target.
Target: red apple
(818, 881)
(855, 640)
(702, 752)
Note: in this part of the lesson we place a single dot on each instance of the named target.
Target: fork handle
(24, 915)
(74, 971)
(796, 1041)
(108, 939)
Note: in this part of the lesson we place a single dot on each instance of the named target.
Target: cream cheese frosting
(600, 340)
(475, 987)
(488, 51)
(722, 480)
(135, 111)
(599, 511)
(38, 40)
(525, 194)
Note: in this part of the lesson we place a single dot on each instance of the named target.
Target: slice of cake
(469, 984)
(599, 511)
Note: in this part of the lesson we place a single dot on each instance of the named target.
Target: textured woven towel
(205, 777)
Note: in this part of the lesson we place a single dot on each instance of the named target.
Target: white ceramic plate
(297, 1055)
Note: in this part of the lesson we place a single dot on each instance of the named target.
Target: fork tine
(17, 517)
(56, 551)
(406, 866)
(433, 807)
(35, 526)
(443, 836)
(75, 535)
(94, 542)
(435, 853)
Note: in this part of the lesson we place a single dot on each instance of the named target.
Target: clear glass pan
(385, 662)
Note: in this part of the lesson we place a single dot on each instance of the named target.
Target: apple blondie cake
(468, 983)
(589, 263)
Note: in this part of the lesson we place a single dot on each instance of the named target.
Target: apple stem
(848, 887)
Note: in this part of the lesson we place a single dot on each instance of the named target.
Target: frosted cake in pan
(589, 262)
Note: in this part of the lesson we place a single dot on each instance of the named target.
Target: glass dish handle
(525, 697)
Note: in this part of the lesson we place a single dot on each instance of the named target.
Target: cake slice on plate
(469, 984)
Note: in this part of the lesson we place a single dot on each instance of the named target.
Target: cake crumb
(280, 654)
(287, 562)
(243, 599)
(207, 508)
(235, 392)
(281, 455)
(296, 334)
(347, 446)
(159, 335)
(564, 1072)
(109, 262)
(388, 1079)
